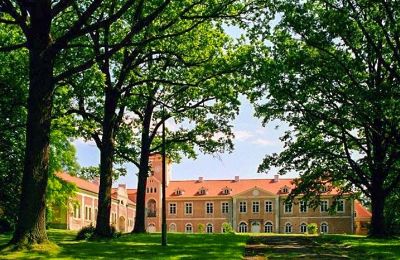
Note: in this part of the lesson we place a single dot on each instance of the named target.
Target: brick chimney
(276, 178)
(200, 179)
(236, 178)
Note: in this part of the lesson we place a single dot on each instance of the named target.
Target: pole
(164, 206)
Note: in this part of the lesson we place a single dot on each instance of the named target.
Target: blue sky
(252, 143)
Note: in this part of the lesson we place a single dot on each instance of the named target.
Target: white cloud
(241, 135)
(263, 142)
(81, 141)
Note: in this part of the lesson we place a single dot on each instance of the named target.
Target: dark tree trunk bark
(377, 228)
(31, 225)
(140, 223)
(106, 164)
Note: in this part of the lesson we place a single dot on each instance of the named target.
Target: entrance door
(151, 228)
(255, 227)
(121, 224)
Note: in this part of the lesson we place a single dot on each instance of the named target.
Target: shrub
(85, 232)
(228, 228)
(200, 228)
(312, 228)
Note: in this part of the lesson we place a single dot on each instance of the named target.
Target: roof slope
(79, 182)
(361, 211)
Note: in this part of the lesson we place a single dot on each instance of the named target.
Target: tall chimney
(200, 179)
(276, 178)
(236, 178)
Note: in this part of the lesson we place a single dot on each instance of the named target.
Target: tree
(102, 111)
(48, 29)
(332, 73)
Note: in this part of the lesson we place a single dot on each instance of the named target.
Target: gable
(255, 192)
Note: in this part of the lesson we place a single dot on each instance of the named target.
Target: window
(268, 206)
(285, 189)
(242, 227)
(242, 207)
(288, 207)
(209, 228)
(202, 191)
(113, 218)
(256, 207)
(77, 211)
(340, 206)
(324, 206)
(188, 228)
(95, 214)
(188, 208)
(268, 227)
(155, 190)
(172, 208)
(209, 207)
(323, 189)
(324, 228)
(178, 192)
(225, 207)
(303, 228)
(88, 213)
(172, 227)
(288, 228)
(303, 206)
(226, 191)
(151, 208)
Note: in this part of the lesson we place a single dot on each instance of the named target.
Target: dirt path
(285, 247)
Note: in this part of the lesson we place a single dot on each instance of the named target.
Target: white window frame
(327, 206)
(257, 204)
(224, 207)
(211, 204)
(267, 207)
(207, 228)
(285, 209)
(303, 224)
(245, 225)
(300, 209)
(191, 208)
(271, 226)
(327, 227)
(337, 206)
(288, 224)
(186, 228)
(77, 211)
(172, 205)
(243, 205)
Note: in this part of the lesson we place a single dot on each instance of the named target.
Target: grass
(142, 246)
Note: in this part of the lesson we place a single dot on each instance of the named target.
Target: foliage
(332, 72)
(312, 228)
(228, 228)
(93, 172)
(85, 233)
(201, 228)
(392, 213)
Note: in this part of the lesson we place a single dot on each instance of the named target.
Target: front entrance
(121, 224)
(255, 227)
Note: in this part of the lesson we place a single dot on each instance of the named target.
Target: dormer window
(179, 192)
(226, 191)
(324, 189)
(202, 191)
(285, 189)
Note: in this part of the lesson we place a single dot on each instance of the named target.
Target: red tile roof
(132, 194)
(361, 211)
(80, 183)
(215, 187)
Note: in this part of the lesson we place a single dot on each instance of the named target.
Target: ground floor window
(209, 228)
(288, 228)
(324, 228)
(242, 227)
(188, 228)
(303, 228)
(268, 227)
(172, 227)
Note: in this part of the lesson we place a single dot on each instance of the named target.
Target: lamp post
(164, 206)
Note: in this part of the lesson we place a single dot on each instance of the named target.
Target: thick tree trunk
(377, 228)
(106, 164)
(140, 223)
(31, 226)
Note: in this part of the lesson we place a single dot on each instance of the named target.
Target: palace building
(248, 205)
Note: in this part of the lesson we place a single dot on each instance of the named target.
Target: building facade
(247, 205)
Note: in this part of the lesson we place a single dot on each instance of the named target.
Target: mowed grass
(142, 246)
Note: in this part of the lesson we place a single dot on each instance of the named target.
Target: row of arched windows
(269, 227)
(189, 228)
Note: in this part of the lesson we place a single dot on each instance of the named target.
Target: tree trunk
(106, 164)
(377, 228)
(31, 225)
(140, 224)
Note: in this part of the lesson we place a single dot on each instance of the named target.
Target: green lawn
(144, 246)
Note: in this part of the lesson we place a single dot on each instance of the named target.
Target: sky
(252, 142)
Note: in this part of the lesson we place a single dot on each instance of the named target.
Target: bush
(200, 228)
(312, 229)
(85, 233)
(228, 228)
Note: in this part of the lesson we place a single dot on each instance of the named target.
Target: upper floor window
(340, 206)
(256, 207)
(77, 211)
(285, 189)
(202, 191)
(268, 206)
(209, 207)
(324, 188)
(88, 213)
(188, 208)
(172, 208)
(179, 192)
(226, 191)
(288, 207)
(225, 207)
(324, 206)
(303, 206)
(243, 207)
